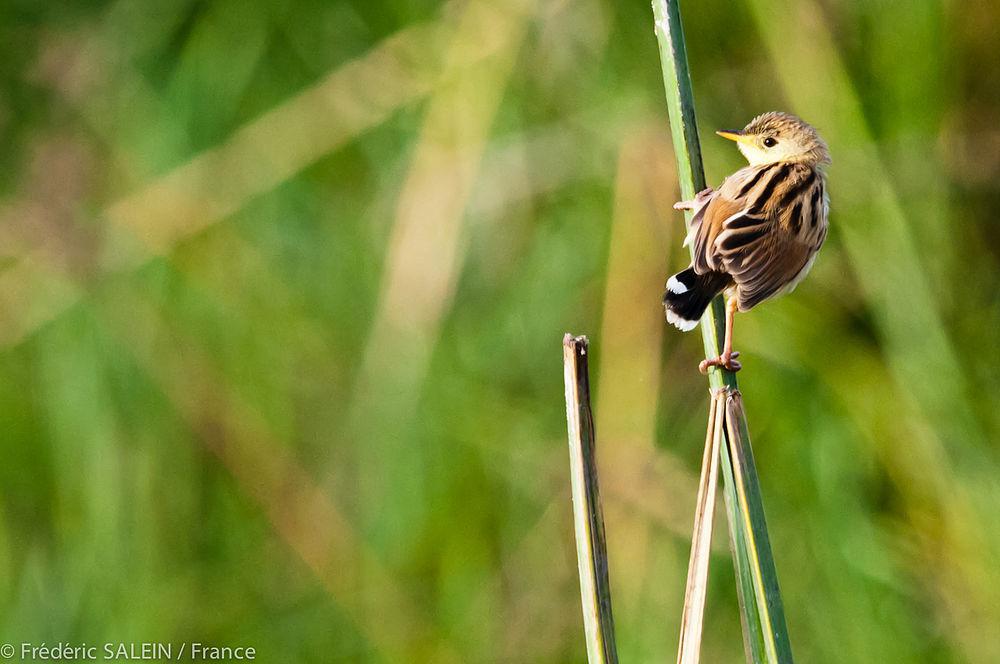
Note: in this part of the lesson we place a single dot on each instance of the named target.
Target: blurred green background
(283, 286)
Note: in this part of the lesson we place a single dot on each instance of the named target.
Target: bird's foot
(726, 360)
(699, 199)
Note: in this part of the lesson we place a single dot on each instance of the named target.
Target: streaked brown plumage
(756, 236)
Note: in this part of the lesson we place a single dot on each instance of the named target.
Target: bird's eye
(770, 142)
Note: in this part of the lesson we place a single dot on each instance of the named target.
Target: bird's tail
(689, 294)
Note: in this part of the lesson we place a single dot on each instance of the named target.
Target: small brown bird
(756, 236)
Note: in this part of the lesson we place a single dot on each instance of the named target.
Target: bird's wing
(733, 199)
(706, 225)
(763, 260)
(748, 231)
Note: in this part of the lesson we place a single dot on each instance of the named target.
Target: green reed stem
(588, 518)
(761, 612)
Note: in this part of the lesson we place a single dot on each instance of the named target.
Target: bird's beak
(731, 134)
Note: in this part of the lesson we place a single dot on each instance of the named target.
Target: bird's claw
(698, 200)
(726, 360)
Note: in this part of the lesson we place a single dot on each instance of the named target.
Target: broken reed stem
(591, 549)
(692, 619)
(764, 631)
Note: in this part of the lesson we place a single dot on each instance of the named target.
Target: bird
(756, 236)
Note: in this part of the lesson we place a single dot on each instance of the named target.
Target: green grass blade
(761, 612)
(591, 548)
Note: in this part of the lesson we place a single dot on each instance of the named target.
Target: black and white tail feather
(689, 294)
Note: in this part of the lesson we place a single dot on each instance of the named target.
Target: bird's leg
(728, 357)
(695, 203)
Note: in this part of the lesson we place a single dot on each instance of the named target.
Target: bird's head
(779, 137)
